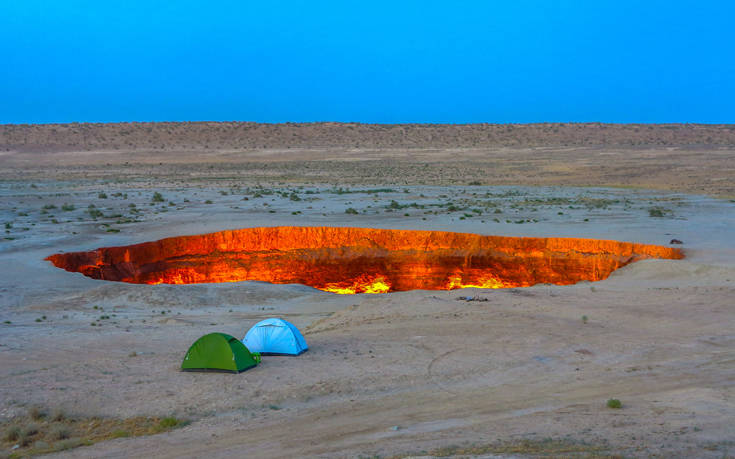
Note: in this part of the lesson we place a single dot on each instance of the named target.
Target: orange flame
(362, 285)
(361, 260)
(455, 282)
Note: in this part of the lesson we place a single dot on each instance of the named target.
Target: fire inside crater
(361, 260)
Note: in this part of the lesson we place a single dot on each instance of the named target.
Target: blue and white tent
(275, 337)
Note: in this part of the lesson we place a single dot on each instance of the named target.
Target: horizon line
(479, 123)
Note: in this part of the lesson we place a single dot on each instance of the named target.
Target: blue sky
(378, 61)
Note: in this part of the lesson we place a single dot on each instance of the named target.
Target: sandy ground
(706, 171)
(386, 374)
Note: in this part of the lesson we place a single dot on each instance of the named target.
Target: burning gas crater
(361, 260)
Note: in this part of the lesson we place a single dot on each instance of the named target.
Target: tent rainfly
(275, 337)
(219, 352)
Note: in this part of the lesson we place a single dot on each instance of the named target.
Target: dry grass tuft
(533, 448)
(70, 444)
(37, 433)
(11, 434)
(37, 413)
(60, 433)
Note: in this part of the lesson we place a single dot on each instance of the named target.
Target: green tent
(219, 352)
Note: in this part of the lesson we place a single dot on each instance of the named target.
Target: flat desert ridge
(522, 372)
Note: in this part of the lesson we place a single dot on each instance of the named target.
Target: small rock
(675, 241)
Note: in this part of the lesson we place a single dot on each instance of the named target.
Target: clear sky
(448, 61)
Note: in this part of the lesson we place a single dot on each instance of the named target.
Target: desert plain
(517, 372)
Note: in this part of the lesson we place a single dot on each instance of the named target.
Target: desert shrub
(36, 412)
(60, 433)
(58, 415)
(169, 422)
(614, 403)
(94, 212)
(27, 433)
(69, 444)
(102, 196)
(12, 433)
(68, 207)
(29, 430)
(659, 212)
(157, 197)
(120, 434)
(40, 445)
(350, 210)
(655, 213)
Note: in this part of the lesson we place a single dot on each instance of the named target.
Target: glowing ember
(361, 260)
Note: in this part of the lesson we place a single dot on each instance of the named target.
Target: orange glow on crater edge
(361, 260)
